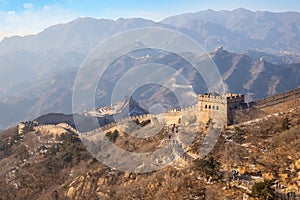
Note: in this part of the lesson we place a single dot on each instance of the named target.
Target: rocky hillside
(39, 165)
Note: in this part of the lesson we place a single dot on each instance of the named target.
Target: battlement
(275, 99)
(215, 100)
(174, 110)
(212, 97)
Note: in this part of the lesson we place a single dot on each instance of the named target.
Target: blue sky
(21, 17)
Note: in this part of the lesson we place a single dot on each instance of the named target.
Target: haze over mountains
(242, 29)
(260, 56)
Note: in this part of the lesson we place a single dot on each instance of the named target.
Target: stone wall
(276, 99)
(281, 102)
(278, 102)
(174, 116)
(114, 124)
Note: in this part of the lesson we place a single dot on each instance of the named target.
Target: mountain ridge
(255, 78)
(45, 65)
(265, 31)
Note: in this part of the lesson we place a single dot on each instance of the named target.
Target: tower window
(209, 107)
(205, 106)
(217, 107)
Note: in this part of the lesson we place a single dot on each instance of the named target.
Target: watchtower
(219, 108)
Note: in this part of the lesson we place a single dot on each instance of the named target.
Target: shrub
(209, 167)
(144, 123)
(263, 190)
(285, 124)
(112, 136)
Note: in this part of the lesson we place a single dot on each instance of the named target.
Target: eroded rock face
(296, 165)
(81, 186)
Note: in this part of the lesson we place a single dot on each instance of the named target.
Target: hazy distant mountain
(255, 77)
(58, 47)
(80, 35)
(242, 74)
(242, 29)
(275, 59)
(37, 72)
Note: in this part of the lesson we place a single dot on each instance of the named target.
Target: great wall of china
(276, 99)
(173, 113)
(207, 104)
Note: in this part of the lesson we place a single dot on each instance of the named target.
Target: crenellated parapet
(220, 96)
(275, 99)
(219, 107)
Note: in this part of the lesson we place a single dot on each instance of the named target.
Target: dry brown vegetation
(67, 171)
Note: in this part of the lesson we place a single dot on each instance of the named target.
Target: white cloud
(28, 5)
(32, 21)
(11, 12)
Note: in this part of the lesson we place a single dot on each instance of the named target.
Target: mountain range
(257, 53)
